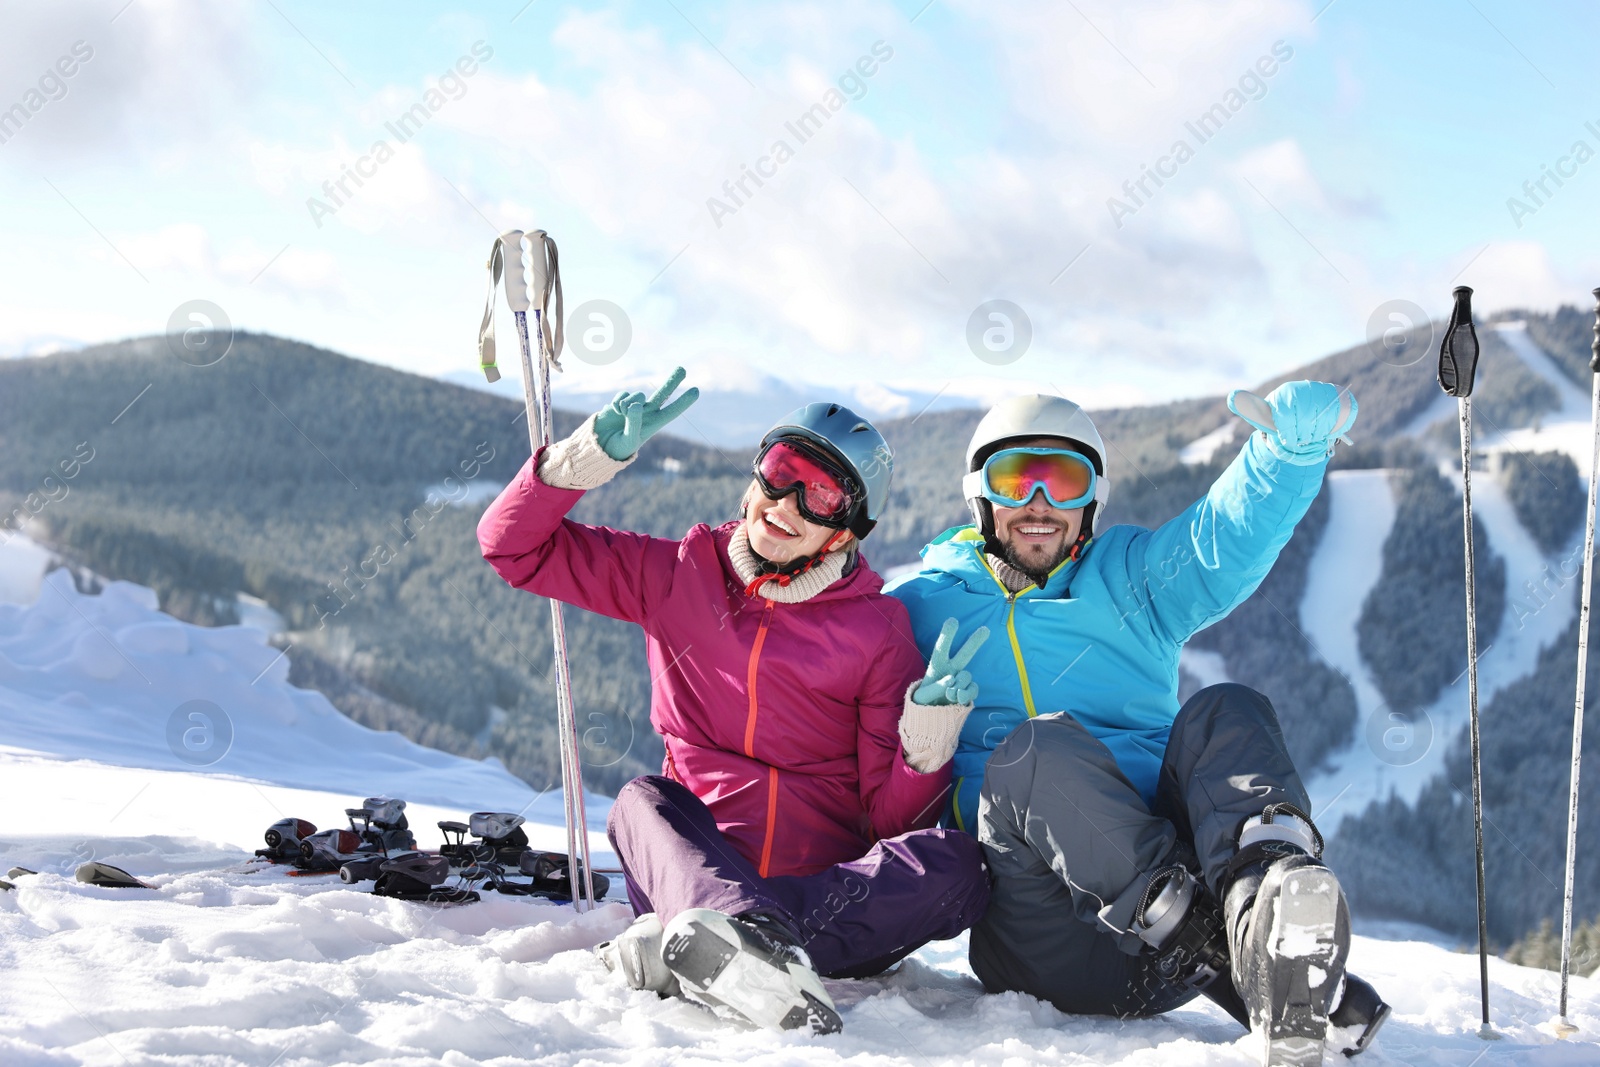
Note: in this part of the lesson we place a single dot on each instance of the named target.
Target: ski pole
(530, 290)
(1564, 1027)
(1458, 362)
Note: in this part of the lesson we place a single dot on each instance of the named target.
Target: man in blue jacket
(1142, 852)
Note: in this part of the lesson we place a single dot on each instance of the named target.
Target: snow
(22, 566)
(220, 966)
(1208, 668)
(1204, 449)
(1396, 755)
(257, 613)
(1564, 430)
(1399, 755)
(1342, 572)
(1442, 407)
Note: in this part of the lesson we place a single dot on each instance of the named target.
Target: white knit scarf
(801, 587)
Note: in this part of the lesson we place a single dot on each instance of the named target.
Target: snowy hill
(222, 967)
(738, 404)
(179, 498)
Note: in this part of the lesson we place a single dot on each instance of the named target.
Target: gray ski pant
(1071, 845)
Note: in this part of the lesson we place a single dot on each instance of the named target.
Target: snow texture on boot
(752, 970)
(1358, 1018)
(1290, 930)
(636, 955)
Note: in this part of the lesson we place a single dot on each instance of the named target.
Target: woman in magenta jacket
(807, 743)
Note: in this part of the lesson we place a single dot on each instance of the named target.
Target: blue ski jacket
(1101, 639)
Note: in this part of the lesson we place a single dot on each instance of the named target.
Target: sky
(1335, 157)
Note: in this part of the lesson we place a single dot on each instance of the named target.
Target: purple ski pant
(854, 919)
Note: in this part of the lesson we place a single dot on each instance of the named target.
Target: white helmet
(1023, 417)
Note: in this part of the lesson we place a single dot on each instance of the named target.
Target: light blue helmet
(852, 440)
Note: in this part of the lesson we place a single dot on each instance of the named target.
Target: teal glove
(1301, 420)
(947, 681)
(624, 425)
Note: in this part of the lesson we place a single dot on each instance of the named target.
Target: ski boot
(1289, 933)
(636, 955)
(1182, 923)
(1358, 1018)
(751, 966)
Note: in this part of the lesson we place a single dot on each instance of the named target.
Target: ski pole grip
(1458, 352)
(539, 268)
(1594, 348)
(516, 272)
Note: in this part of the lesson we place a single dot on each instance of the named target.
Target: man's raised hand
(1301, 420)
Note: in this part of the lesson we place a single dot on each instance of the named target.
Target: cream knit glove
(578, 462)
(928, 735)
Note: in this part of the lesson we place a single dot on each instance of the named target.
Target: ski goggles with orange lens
(828, 496)
(1012, 476)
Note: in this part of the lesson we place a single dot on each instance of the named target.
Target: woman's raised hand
(624, 425)
(947, 681)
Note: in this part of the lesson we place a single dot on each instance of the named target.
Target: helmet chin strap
(991, 539)
(784, 573)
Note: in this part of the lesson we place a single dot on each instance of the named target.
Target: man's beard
(1039, 575)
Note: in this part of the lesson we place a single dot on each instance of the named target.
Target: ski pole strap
(505, 258)
(496, 266)
(1594, 347)
(1458, 352)
(547, 280)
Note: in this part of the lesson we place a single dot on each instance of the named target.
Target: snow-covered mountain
(102, 757)
(1347, 566)
(736, 408)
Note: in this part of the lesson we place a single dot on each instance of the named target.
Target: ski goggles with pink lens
(1012, 476)
(828, 496)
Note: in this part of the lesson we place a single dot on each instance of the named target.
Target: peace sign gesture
(947, 681)
(631, 419)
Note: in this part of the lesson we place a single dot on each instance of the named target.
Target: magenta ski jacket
(782, 718)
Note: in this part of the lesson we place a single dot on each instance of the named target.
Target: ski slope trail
(1399, 754)
(1343, 572)
(227, 967)
(1396, 754)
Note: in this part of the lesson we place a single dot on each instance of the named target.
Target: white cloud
(885, 272)
(187, 249)
(959, 177)
(157, 83)
(1518, 274)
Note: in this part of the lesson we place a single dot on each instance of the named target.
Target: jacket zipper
(1016, 651)
(750, 736)
(1011, 631)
